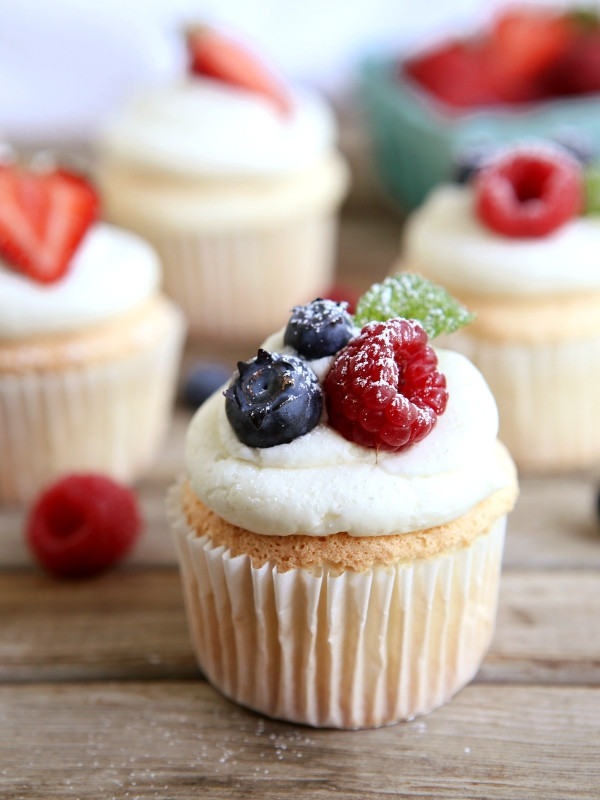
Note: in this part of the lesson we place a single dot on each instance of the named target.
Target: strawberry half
(43, 218)
(216, 56)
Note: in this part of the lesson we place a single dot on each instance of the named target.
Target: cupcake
(513, 245)
(89, 348)
(341, 519)
(234, 177)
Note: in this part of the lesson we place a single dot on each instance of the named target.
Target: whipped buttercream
(322, 484)
(446, 242)
(112, 272)
(203, 127)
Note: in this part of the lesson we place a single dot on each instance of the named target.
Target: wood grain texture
(131, 625)
(182, 740)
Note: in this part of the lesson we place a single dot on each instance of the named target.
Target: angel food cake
(341, 521)
(515, 246)
(89, 348)
(236, 179)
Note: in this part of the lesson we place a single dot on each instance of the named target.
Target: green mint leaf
(591, 178)
(412, 297)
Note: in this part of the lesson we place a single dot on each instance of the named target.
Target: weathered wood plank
(548, 628)
(182, 740)
(119, 625)
(131, 625)
(554, 524)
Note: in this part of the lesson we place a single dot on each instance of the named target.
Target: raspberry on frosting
(383, 390)
(529, 190)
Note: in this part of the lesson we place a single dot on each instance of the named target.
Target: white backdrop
(65, 64)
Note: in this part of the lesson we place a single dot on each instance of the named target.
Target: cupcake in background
(515, 245)
(235, 178)
(89, 347)
(341, 520)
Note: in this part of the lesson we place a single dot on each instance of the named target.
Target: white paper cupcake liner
(241, 285)
(339, 649)
(108, 417)
(548, 398)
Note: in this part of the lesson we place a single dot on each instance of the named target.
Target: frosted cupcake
(341, 521)
(89, 348)
(235, 178)
(514, 246)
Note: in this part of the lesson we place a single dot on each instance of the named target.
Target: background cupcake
(89, 349)
(235, 178)
(514, 246)
(340, 538)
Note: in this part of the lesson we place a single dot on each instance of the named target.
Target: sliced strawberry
(215, 56)
(43, 218)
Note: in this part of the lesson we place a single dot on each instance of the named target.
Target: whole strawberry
(383, 390)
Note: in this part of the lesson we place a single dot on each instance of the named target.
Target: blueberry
(202, 380)
(273, 399)
(320, 328)
(469, 160)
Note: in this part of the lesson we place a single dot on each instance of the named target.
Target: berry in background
(82, 525)
(319, 329)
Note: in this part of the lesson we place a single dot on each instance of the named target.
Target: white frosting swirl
(204, 127)
(322, 484)
(112, 271)
(445, 240)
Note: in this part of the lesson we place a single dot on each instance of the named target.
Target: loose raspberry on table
(83, 524)
(383, 390)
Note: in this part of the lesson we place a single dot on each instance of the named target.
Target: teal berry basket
(417, 142)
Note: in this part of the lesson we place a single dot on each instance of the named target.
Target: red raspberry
(529, 191)
(383, 389)
(83, 524)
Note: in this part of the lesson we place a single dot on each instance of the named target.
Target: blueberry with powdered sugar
(320, 328)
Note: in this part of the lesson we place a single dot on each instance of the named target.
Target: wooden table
(100, 696)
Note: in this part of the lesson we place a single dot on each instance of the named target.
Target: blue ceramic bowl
(417, 142)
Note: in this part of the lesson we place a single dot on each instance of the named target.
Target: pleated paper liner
(108, 417)
(341, 649)
(241, 285)
(548, 397)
